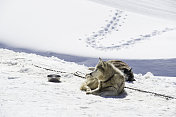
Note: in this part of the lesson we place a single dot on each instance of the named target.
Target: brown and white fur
(122, 66)
(105, 80)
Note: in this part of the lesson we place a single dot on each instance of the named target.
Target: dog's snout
(89, 74)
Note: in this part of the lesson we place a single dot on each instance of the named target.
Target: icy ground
(24, 91)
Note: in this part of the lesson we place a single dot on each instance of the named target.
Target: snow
(138, 29)
(85, 28)
(25, 91)
(156, 8)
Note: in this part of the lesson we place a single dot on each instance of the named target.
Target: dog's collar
(109, 79)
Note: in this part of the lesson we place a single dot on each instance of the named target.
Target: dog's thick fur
(125, 68)
(105, 80)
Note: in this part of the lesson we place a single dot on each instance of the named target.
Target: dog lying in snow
(127, 70)
(105, 80)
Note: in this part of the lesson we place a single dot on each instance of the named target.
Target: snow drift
(24, 90)
(89, 29)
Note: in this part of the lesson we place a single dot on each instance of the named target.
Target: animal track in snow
(114, 24)
(132, 41)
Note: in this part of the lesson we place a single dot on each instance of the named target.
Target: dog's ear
(100, 59)
(102, 62)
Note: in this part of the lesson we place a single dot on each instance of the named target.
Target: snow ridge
(24, 90)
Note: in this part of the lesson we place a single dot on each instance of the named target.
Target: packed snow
(25, 91)
(86, 28)
(163, 9)
(114, 29)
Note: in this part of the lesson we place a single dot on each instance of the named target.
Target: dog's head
(103, 70)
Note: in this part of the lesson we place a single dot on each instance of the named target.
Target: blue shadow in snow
(159, 67)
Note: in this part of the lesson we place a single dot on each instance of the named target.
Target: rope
(77, 73)
(156, 94)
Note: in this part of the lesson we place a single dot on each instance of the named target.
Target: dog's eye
(101, 68)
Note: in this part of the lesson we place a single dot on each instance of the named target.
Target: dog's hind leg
(110, 91)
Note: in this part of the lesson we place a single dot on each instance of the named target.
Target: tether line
(135, 89)
(77, 73)
(156, 94)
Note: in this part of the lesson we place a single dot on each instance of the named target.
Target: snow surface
(85, 28)
(138, 29)
(157, 8)
(24, 91)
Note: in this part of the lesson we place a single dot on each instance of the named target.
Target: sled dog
(105, 80)
(125, 68)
